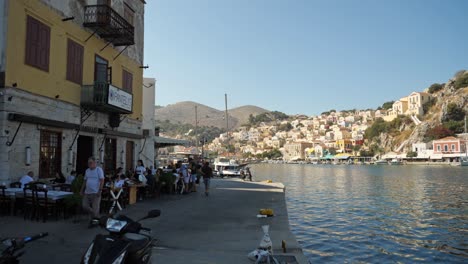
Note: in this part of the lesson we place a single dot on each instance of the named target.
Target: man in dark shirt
(207, 173)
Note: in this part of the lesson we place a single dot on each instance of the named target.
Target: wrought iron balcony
(105, 97)
(109, 25)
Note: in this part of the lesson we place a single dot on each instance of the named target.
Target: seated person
(71, 177)
(119, 179)
(59, 178)
(28, 178)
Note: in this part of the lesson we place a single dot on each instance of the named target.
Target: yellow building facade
(45, 124)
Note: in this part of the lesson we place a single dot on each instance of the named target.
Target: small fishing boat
(396, 162)
(381, 162)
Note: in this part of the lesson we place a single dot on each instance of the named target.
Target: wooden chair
(29, 209)
(57, 187)
(66, 188)
(5, 202)
(43, 205)
(124, 198)
(106, 200)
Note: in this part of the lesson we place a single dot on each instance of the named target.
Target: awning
(161, 142)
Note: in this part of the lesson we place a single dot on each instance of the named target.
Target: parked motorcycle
(127, 241)
(11, 248)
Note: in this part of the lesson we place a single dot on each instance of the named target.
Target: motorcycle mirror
(154, 213)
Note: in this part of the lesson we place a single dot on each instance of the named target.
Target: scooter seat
(135, 237)
(138, 242)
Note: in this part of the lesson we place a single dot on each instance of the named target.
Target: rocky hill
(184, 113)
(242, 113)
(443, 117)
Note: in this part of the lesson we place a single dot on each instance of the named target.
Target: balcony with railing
(109, 25)
(107, 98)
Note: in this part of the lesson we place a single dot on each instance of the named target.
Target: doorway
(84, 151)
(110, 154)
(129, 150)
(50, 158)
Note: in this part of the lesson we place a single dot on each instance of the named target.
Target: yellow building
(70, 85)
(344, 145)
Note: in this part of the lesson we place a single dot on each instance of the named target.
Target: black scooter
(10, 248)
(126, 243)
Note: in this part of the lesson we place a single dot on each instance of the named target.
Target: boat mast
(196, 127)
(227, 118)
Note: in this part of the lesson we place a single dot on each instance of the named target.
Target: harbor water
(376, 214)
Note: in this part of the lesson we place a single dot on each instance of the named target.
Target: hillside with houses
(421, 125)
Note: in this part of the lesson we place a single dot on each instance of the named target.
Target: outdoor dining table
(11, 192)
(132, 192)
(52, 195)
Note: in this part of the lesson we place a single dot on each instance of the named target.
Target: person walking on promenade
(91, 190)
(249, 174)
(207, 173)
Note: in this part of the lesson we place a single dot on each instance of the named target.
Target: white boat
(226, 167)
(381, 162)
(396, 162)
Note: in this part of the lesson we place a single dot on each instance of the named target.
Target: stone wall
(12, 158)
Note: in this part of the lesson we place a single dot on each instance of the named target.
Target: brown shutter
(70, 60)
(44, 47)
(74, 62)
(37, 44)
(127, 81)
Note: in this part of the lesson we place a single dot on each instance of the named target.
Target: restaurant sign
(120, 98)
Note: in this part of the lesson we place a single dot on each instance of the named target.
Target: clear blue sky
(302, 56)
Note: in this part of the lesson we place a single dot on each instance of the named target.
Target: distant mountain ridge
(184, 113)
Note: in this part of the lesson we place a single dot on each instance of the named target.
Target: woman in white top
(140, 171)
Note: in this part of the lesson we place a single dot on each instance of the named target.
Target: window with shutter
(74, 62)
(37, 44)
(127, 81)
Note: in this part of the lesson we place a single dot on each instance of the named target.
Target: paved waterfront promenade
(221, 228)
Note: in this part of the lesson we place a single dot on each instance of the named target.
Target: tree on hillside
(285, 127)
(387, 105)
(428, 105)
(454, 112)
(461, 81)
(379, 126)
(435, 87)
(437, 132)
(411, 154)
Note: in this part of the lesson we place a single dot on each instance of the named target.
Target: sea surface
(376, 213)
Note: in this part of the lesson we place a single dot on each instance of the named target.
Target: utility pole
(227, 118)
(196, 127)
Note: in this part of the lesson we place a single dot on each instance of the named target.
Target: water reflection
(371, 214)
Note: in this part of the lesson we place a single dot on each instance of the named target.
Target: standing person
(186, 177)
(140, 171)
(91, 190)
(207, 173)
(194, 173)
(249, 174)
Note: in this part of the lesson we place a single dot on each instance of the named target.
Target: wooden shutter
(37, 44)
(127, 81)
(74, 62)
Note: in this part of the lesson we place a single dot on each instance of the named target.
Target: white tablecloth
(12, 191)
(53, 195)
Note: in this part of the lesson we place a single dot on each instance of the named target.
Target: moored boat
(381, 162)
